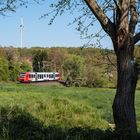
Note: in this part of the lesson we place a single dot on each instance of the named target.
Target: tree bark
(123, 105)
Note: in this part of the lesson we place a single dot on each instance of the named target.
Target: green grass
(26, 95)
(55, 108)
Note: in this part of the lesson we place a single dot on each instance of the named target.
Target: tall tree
(122, 33)
(38, 58)
(72, 68)
(119, 20)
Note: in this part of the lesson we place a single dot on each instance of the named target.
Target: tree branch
(105, 22)
(133, 17)
(117, 4)
(137, 38)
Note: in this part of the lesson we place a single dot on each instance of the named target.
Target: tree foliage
(12, 57)
(109, 15)
(72, 68)
(39, 57)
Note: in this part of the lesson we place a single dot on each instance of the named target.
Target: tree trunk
(123, 105)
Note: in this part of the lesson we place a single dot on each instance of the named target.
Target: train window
(44, 75)
(38, 76)
(51, 76)
(56, 75)
(22, 75)
(30, 75)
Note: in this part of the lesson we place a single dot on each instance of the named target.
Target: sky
(37, 32)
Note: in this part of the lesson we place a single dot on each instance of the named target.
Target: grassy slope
(61, 106)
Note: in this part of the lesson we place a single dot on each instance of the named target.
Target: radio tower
(21, 32)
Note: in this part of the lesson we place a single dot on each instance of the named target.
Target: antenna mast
(21, 32)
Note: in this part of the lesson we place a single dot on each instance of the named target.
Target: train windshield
(22, 75)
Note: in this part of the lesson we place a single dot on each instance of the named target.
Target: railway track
(45, 83)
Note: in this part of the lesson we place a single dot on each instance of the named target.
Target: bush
(4, 73)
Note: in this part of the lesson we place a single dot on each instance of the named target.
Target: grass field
(56, 112)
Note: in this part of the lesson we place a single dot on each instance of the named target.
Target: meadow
(56, 112)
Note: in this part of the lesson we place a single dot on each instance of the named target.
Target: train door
(53, 76)
(36, 77)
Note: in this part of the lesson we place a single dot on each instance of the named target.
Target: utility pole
(21, 32)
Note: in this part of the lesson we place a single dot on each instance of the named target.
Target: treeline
(90, 67)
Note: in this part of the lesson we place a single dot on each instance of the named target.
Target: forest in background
(87, 67)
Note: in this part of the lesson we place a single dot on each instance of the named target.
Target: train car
(39, 76)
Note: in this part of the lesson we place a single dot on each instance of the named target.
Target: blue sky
(37, 32)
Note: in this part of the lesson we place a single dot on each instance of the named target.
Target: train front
(24, 77)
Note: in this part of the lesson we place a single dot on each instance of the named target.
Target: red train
(39, 76)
